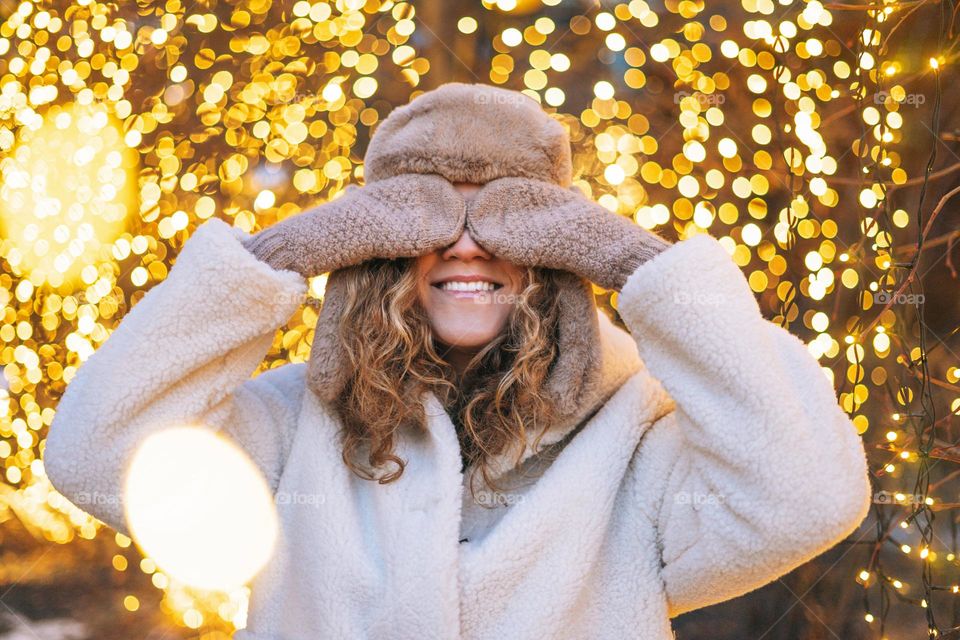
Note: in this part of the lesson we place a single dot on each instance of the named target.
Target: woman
(496, 458)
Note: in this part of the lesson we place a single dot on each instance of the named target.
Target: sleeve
(183, 355)
(758, 470)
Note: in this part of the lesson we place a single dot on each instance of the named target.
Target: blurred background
(818, 140)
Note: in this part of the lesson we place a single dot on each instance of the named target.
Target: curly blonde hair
(393, 358)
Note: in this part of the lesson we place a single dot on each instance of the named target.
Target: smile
(467, 286)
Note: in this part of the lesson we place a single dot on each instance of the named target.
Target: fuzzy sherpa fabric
(718, 462)
(470, 133)
(536, 223)
(401, 217)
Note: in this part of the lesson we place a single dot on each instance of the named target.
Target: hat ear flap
(328, 368)
(575, 377)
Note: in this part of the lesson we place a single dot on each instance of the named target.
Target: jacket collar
(619, 361)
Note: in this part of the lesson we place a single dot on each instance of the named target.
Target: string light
(756, 124)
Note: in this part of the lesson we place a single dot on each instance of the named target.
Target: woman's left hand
(535, 223)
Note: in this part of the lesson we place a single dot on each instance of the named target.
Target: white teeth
(467, 286)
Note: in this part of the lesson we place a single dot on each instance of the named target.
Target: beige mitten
(535, 223)
(400, 217)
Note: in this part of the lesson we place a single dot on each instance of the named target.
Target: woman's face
(467, 292)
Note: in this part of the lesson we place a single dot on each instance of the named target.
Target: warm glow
(67, 189)
(199, 507)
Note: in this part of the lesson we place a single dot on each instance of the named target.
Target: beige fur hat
(477, 133)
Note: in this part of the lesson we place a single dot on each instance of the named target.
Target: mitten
(535, 223)
(403, 216)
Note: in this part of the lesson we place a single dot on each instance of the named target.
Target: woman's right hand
(399, 217)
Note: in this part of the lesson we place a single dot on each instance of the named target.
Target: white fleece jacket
(719, 462)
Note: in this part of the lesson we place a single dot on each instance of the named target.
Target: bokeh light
(67, 190)
(209, 520)
(797, 132)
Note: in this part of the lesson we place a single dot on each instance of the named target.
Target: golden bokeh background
(817, 140)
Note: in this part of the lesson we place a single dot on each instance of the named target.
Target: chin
(463, 333)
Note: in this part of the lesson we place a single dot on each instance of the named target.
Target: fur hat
(470, 133)
(477, 133)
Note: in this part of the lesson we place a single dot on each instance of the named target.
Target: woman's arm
(183, 354)
(759, 470)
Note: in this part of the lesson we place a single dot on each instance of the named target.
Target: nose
(466, 189)
(465, 248)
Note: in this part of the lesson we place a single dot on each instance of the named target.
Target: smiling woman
(484, 452)
(412, 326)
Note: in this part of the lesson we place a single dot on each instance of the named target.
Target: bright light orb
(199, 507)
